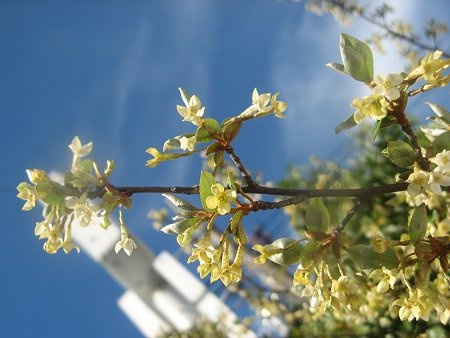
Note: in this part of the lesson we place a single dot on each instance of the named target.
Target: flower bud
(380, 244)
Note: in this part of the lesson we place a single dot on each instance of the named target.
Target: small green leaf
(418, 224)
(171, 144)
(283, 251)
(366, 258)
(308, 254)
(53, 198)
(317, 216)
(218, 159)
(185, 238)
(211, 125)
(212, 148)
(231, 180)
(206, 181)
(230, 131)
(180, 203)
(441, 142)
(337, 66)
(203, 135)
(347, 124)
(382, 124)
(357, 58)
(440, 111)
(236, 220)
(401, 153)
(162, 157)
(180, 226)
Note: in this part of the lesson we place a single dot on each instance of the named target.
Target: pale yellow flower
(37, 176)
(417, 180)
(193, 110)
(431, 68)
(387, 86)
(417, 306)
(127, 244)
(442, 160)
(221, 198)
(278, 107)
(68, 245)
(386, 277)
(78, 149)
(188, 143)
(29, 194)
(370, 106)
(261, 101)
(301, 277)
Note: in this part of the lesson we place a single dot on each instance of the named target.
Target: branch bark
(305, 193)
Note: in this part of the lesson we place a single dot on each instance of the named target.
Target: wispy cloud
(129, 73)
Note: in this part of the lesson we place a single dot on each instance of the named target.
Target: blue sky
(109, 72)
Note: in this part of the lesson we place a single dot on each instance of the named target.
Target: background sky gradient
(108, 71)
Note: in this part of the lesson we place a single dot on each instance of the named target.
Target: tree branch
(297, 193)
(238, 163)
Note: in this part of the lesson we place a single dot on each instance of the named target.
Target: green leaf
(44, 189)
(441, 142)
(440, 111)
(211, 125)
(231, 180)
(366, 258)
(212, 148)
(180, 203)
(337, 66)
(357, 58)
(218, 159)
(230, 131)
(317, 216)
(185, 238)
(347, 124)
(401, 153)
(236, 220)
(418, 224)
(162, 157)
(53, 198)
(203, 135)
(308, 254)
(283, 251)
(206, 181)
(171, 144)
(180, 226)
(382, 124)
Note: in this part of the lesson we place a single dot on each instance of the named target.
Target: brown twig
(303, 193)
(403, 122)
(238, 163)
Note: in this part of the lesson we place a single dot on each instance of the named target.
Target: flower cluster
(385, 90)
(421, 181)
(70, 199)
(217, 261)
(430, 69)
